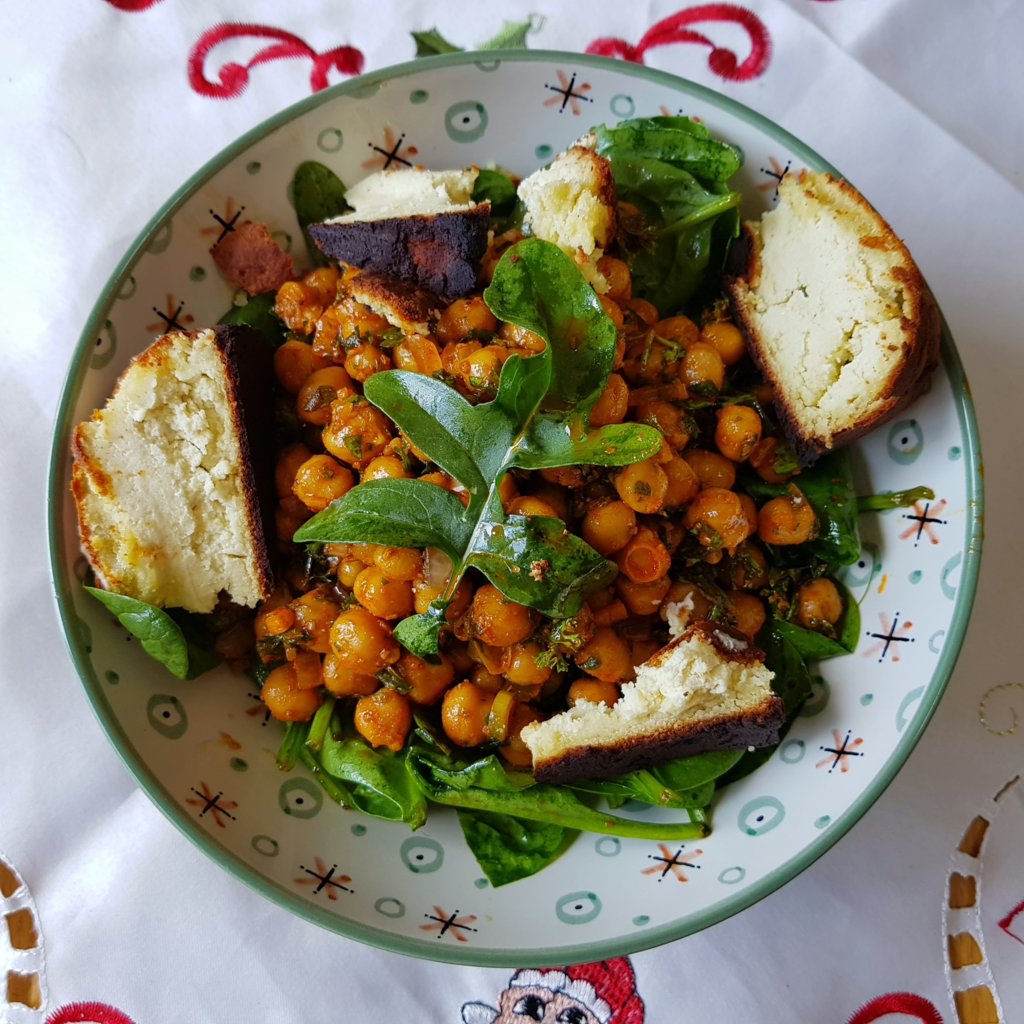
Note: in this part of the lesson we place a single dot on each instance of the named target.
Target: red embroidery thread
(132, 5)
(232, 78)
(897, 1002)
(672, 29)
(1007, 922)
(100, 1013)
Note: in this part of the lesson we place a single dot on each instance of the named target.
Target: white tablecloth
(918, 101)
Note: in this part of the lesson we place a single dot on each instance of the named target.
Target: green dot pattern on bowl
(514, 112)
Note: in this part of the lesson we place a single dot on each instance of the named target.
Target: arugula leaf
(508, 848)
(161, 636)
(676, 176)
(538, 418)
(258, 313)
(317, 194)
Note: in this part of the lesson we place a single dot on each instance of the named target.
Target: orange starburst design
(924, 519)
(391, 152)
(568, 93)
(213, 804)
(449, 924)
(223, 222)
(668, 862)
(324, 879)
(840, 754)
(171, 317)
(892, 636)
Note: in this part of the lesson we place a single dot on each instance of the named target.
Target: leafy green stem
(894, 499)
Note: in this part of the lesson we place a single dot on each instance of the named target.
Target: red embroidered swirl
(897, 1002)
(673, 29)
(132, 5)
(232, 78)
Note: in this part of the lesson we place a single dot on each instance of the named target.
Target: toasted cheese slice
(708, 689)
(163, 476)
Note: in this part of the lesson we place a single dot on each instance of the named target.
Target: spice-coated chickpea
(364, 640)
(530, 505)
(497, 621)
(357, 431)
(767, 460)
(285, 700)
(426, 681)
(737, 431)
(321, 480)
(399, 563)
(293, 363)
(464, 317)
(613, 404)
(644, 559)
(287, 466)
(417, 354)
(642, 598)
(339, 679)
(702, 367)
(686, 600)
(819, 605)
(522, 668)
(593, 691)
(362, 361)
(384, 718)
(298, 306)
(386, 598)
(608, 526)
(514, 751)
(748, 612)
(617, 276)
(786, 520)
(712, 468)
(642, 486)
(727, 339)
(464, 713)
(315, 612)
(667, 418)
(683, 482)
(717, 519)
(319, 391)
(605, 656)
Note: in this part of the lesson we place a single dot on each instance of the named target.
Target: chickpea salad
(483, 524)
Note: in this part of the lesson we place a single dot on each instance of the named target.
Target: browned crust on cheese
(920, 341)
(250, 258)
(601, 167)
(403, 304)
(758, 726)
(440, 252)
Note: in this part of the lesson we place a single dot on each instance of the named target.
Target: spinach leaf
(828, 486)
(258, 313)
(497, 188)
(378, 781)
(459, 786)
(161, 636)
(508, 848)
(538, 418)
(676, 176)
(814, 646)
(317, 194)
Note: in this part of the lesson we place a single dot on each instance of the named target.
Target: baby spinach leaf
(378, 781)
(496, 188)
(317, 194)
(676, 176)
(508, 848)
(161, 637)
(537, 418)
(258, 313)
(812, 646)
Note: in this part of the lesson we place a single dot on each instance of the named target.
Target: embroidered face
(537, 1004)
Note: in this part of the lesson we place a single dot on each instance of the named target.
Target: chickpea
(764, 458)
(608, 527)
(299, 306)
(522, 669)
(426, 681)
(556, 497)
(348, 570)
(315, 612)
(362, 361)
(667, 418)
(612, 310)
(424, 592)
(357, 431)
(712, 468)
(478, 372)
(385, 467)
(727, 339)
(399, 563)
(514, 751)
(497, 621)
(688, 601)
(339, 679)
(683, 482)
(737, 432)
(644, 559)
(748, 567)
(642, 598)
(321, 480)
(530, 505)
(642, 486)
(787, 520)
(293, 363)
(678, 329)
(609, 614)
(285, 700)
(748, 612)
(308, 670)
(521, 340)
(386, 598)
(465, 317)
(417, 354)
(363, 640)
(319, 391)
(593, 691)
(617, 276)
(571, 477)
(613, 404)
(384, 718)
(287, 465)
(606, 656)
(819, 606)
(702, 368)
(464, 713)
(717, 519)
(641, 312)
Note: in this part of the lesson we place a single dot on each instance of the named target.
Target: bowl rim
(347, 928)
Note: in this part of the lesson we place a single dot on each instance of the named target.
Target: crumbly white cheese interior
(827, 306)
(408, 191)
(171, 524)
(685, 684)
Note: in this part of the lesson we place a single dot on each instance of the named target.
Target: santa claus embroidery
(598, 993)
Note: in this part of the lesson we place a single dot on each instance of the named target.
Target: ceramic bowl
(205, 751)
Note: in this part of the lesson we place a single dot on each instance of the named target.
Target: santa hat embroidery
(607, 988)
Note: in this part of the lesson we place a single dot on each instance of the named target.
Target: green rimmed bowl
(205, 751)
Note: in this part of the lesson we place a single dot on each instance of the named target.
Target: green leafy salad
(487, 522)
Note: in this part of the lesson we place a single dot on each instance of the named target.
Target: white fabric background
(918, 102)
